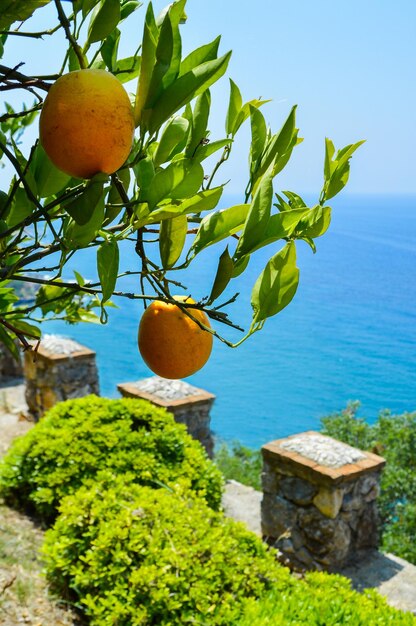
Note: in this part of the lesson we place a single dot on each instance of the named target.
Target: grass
(24, 597)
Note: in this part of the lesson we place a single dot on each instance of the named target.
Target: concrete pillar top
(321, 459)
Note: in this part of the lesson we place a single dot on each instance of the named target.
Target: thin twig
(67, 28)
(12, 73)
(10, 116)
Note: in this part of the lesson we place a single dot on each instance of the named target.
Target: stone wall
(61, 369)
(190, 406)
(319, 504)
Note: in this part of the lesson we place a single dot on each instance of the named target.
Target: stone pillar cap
(56, 347)
(321, 459)
(165, 392)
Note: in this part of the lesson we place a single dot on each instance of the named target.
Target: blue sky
(350, 67)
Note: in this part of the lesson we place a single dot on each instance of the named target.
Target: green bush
(399, 536)
(393, 437)
(348, 427)
(323, 600)
(240, 463)
(78, 438)
(134, 556)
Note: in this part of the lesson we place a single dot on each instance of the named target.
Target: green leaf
(278, 150)
(315, 223)
(20, 208)
(185, 88)
(49, 180)
(166, 57)
(127, 69)
(3, 239)
(29, 330)
(172, 239)
(149, 45)
(176, 12)
(73, 61)
(7, 297)
(162, 73)
(79, 236)
(199, 123)
(258, 137)
(295, 201)
(346, 153)
(219, 225)
(50, 299)
(107, 266)
(83, 207)
(276, 285)
(109, 49)
(87, 6)
(329, 153)
(145, 172)
(245, 112)
(258, 216)
(205, 53)
(223, 276)
(205, 151)
(179, 180)
(80, 279)
(280, 226)
(200, 202)
(337, 181)
(234, 108)
(18, 11)
(128, 8)
(282, 205)
(105, 18)
(240, 265)
(8, 341)
(172, 140)
(338, 169)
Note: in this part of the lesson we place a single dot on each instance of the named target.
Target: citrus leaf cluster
(167, 200)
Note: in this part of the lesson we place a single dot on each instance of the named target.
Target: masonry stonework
(190, 405)
(319, 504)
(61, 369)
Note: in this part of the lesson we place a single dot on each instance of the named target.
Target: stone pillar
(189, 405)
(319, 501)
(9, 366)
(61, 369)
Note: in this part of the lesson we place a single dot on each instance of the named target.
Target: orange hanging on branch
(170, 342)
(86, 124)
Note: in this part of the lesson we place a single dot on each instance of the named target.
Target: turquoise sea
(349, 334)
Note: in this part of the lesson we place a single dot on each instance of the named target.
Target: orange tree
(168, 185)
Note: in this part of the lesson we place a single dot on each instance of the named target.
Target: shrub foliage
(136, 539)
(79, 438)
(323, 600)
(240, 463)
(134, 555)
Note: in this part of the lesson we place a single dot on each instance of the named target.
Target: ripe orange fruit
(86, 124)
(172, 344)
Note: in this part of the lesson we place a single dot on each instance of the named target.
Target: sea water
(349, 333)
